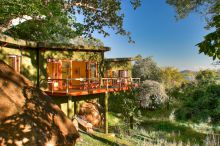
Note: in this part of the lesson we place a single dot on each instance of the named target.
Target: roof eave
(17, 43)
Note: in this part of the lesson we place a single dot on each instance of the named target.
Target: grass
(88, 140)
(112, 139)
(155, 129)
(173, 132)
(114, 119)
(100, 139)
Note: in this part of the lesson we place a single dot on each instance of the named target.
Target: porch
(86, 86)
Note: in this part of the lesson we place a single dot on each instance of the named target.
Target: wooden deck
(74, 92)
(87, 87)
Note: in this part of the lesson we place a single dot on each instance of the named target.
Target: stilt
(69, 106)
(38, 67)
(75, 107)
(132, 122)
(106, 113)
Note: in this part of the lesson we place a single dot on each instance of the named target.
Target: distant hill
(188, 72)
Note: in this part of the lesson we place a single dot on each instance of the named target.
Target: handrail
(100, 82)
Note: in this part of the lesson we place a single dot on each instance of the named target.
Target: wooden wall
(28, 60)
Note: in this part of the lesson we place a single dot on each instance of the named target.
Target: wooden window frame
(16, 62)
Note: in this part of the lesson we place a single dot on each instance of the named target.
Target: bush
(146, 69)
(200, 104)
(151, 94)
(206, 76)
(125, 103)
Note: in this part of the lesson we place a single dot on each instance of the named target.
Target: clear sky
(157, 33)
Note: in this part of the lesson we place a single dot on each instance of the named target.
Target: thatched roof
(19, 43)
(119, 59)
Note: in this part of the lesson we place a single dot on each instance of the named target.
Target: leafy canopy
(206, 76)
(200, 103)
(146, 69)
(172, 77)
(211, 44)
(185, 7)
(51, 19)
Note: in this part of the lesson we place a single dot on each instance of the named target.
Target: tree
(151, 94)
(211, 44)
(206, 76)
(129, 105)
(146, 69)
(200, 103)
(211, 8)
(58, 17)
(172, 77)
(184, 7)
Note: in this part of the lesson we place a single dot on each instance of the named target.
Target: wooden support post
(106, 113)
(38, 66)
(101, 65)
(132, 122)
(75, 107)
(68, 106)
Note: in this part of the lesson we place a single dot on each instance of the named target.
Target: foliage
(146, 69)
(87, 41)
(126, 103)
(58, 17)
(151, 94)
(172, 77)
(200, 103)
(184, 7)
(206, 76)
(53, 29)
(211, 45)
(41, 20)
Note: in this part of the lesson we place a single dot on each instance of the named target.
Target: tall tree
(146, 69)
(55, 17)
(172, 77)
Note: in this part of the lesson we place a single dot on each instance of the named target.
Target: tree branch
(83, 5)
(16, 21)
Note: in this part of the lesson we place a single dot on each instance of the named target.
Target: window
(66, 69)
(123, 73)
(15, 62)
(93, 70)
(114, 74)
(54, 69)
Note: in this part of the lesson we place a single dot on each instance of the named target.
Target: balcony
(86, 86)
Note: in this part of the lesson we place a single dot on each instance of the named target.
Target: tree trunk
(132, 122)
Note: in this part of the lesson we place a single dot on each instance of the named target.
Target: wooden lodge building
(67, 72)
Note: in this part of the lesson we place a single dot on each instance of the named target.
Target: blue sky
(157, 33)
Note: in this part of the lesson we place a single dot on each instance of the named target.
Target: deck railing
(84, 84)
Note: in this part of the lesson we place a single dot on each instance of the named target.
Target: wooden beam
(17, 42)
(106, 113)
(72, 47)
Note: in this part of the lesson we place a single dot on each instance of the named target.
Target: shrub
(151, 94)
(146, 69)
(200, 104)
